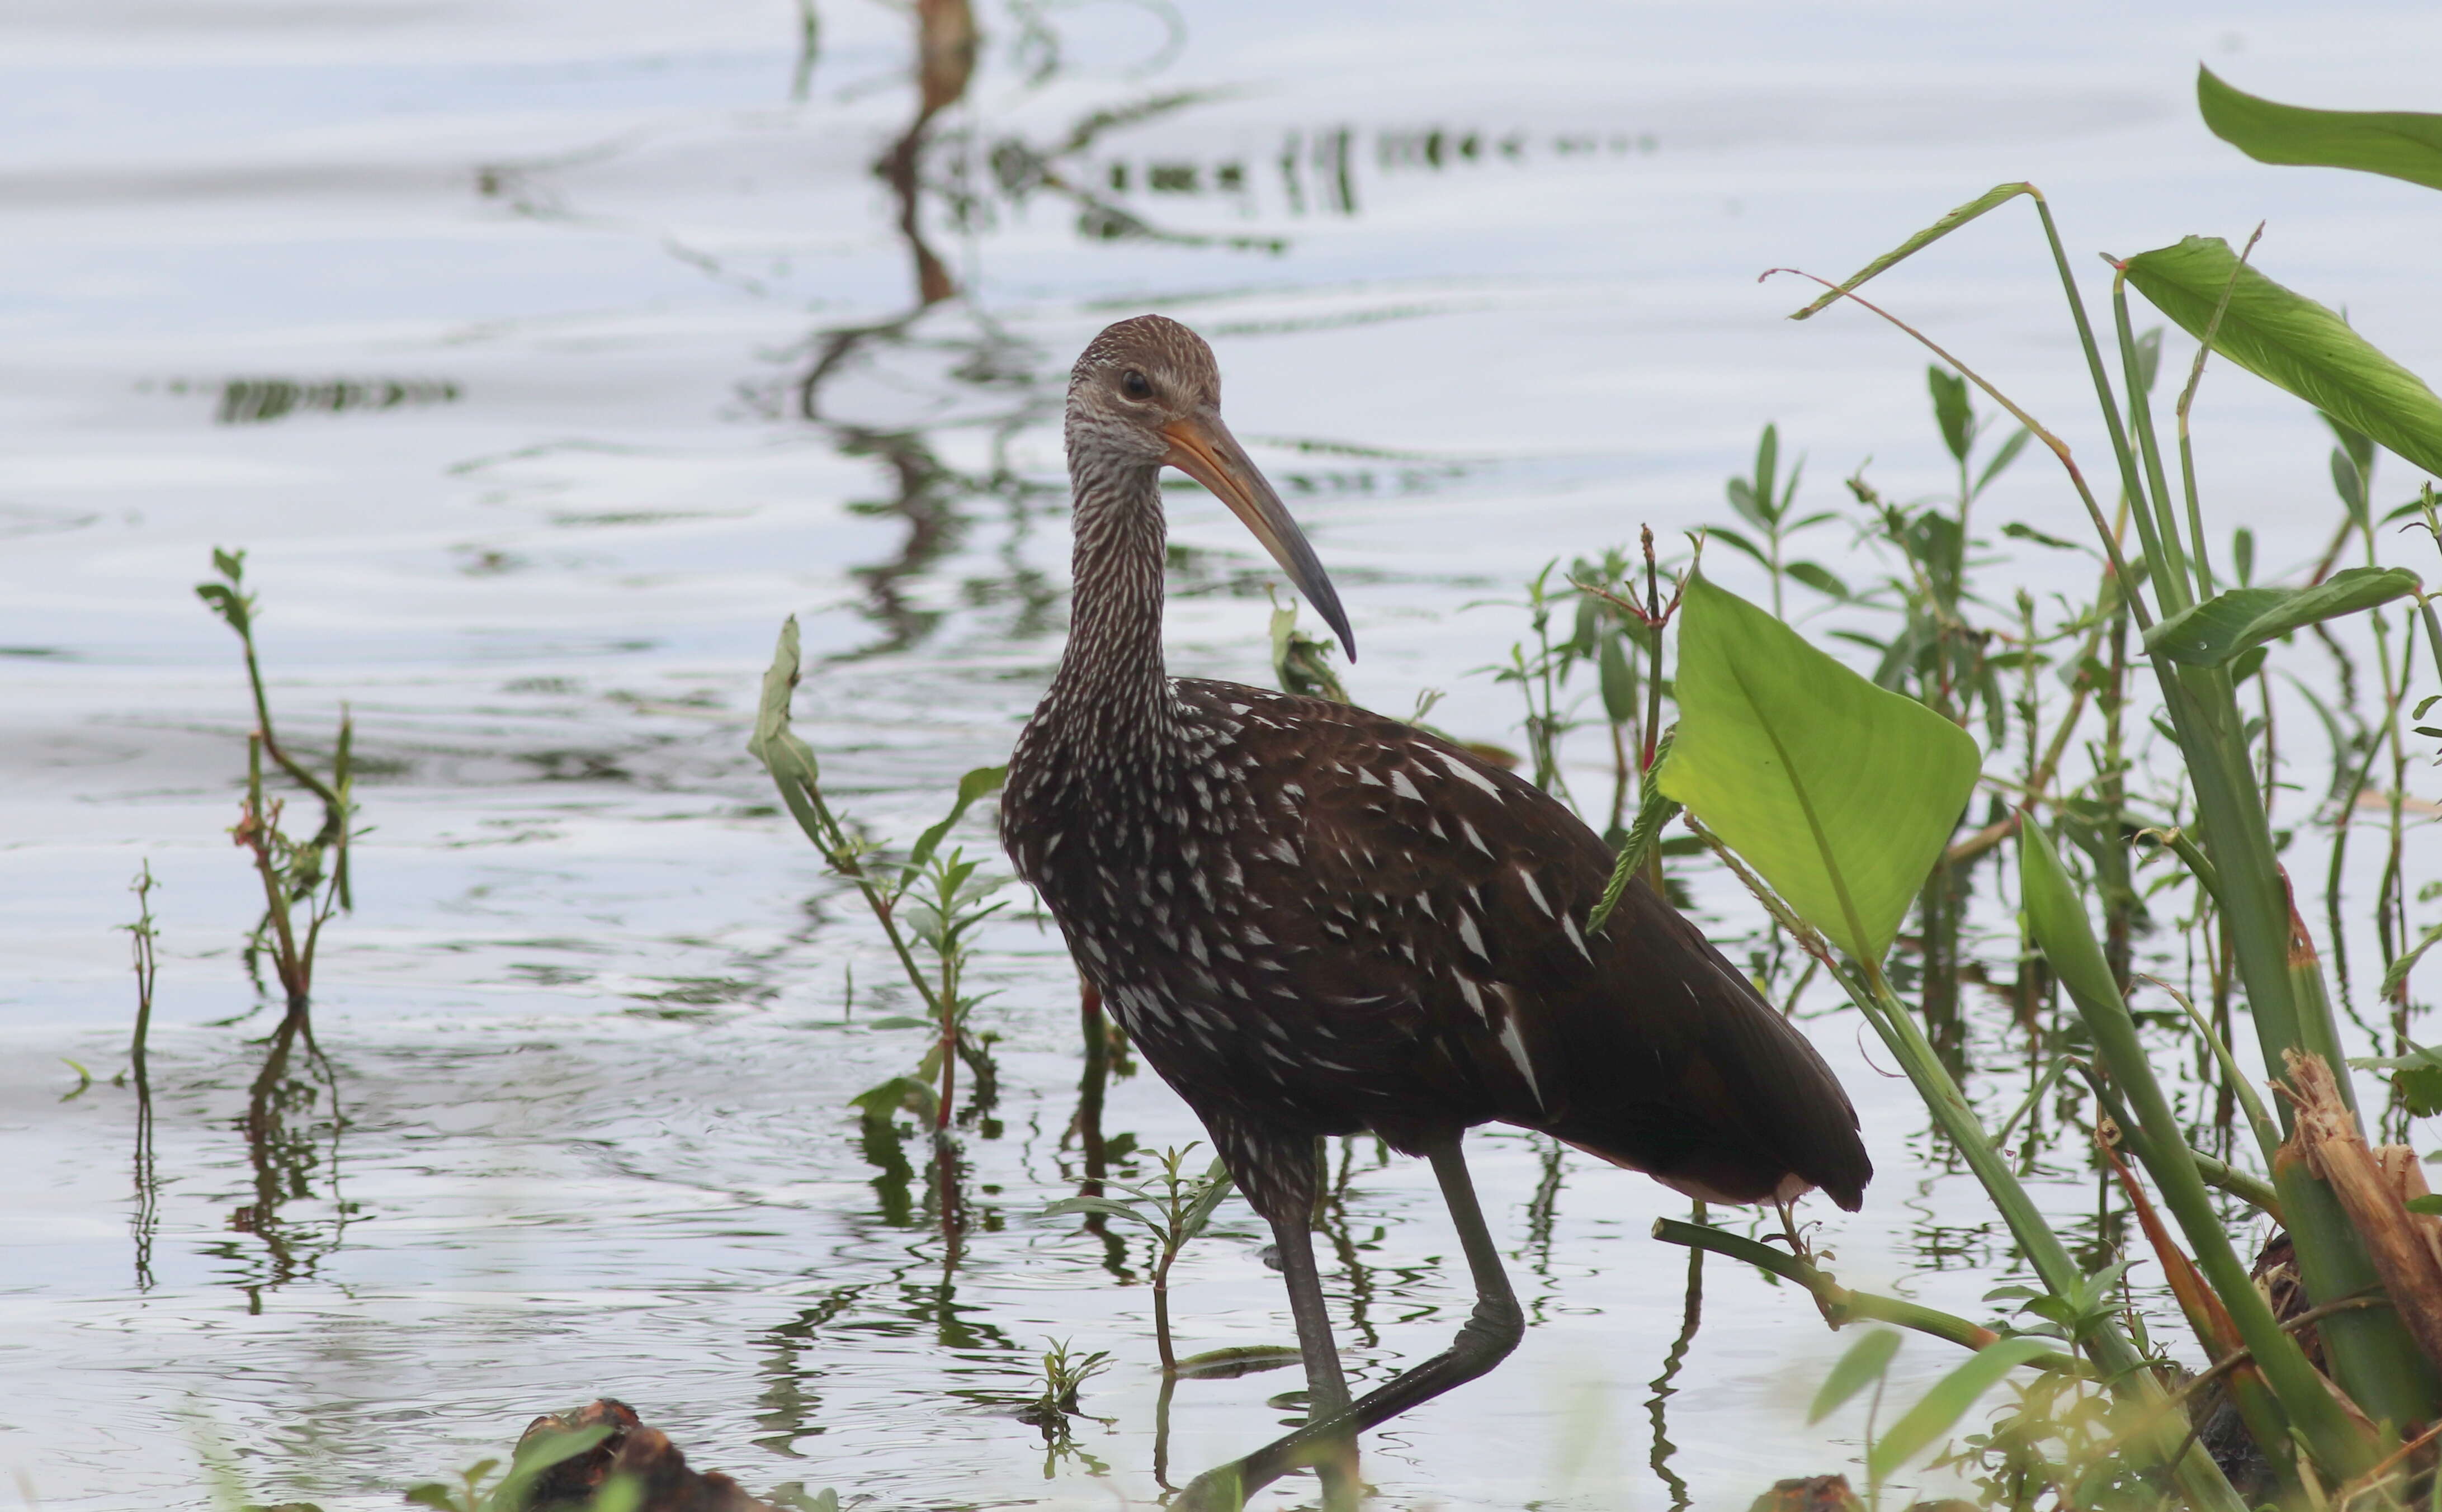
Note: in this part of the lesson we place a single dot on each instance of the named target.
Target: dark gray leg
(1326, 1388)
(1490, 1333)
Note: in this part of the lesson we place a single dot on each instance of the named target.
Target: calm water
(554, 406)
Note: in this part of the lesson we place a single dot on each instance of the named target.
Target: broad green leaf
(899, 1094)
(1618, 678)
(976, 784)
(2240, 619)
(2001, 459)
(1860, 1367)
(790, 760)
(1731, 538)
(1841, 793)
(435, 1495)
(2416, 1077)
(1952, 413)
(2293, 343)
(2393, 978)
(1819, 578)
(538, 1454)
(544, 1450)
(1948, 1401)
(621, 1493)
(2426, 1203)
(2398, 143)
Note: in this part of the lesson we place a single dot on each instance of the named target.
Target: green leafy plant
(924, 900)
(1174, 1208)
(1868, 1363)
(477, 1489)
(304, 880)
(2201, 639)
(1769, 507)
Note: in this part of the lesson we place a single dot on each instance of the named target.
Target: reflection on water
(1656, 1407)
(253, 401)
(289, 1120)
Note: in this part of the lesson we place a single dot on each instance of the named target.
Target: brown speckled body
(1313, 920)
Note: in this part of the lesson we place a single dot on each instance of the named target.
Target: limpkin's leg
(1326, 1388)
(1490, 1333)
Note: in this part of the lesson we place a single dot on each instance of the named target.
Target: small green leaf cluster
(1174, 1208)
(477, 1491)
(925, 900)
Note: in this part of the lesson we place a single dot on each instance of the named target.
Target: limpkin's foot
(1329, 1441)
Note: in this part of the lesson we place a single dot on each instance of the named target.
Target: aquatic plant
(924, 900)
(1174, 1208)
(1766, 725)
(310, 874)
(479, 1490)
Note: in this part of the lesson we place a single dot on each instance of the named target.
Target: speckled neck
(1112, 687)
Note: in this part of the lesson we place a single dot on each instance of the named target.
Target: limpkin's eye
(1135, 384)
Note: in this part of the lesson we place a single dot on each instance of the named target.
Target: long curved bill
(1202, 447)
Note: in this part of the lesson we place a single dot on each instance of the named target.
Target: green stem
(2170, 574)
(2112, 1353)
(2161, 1144)
(1839, 1305)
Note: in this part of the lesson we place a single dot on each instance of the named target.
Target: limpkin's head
(1147, 392)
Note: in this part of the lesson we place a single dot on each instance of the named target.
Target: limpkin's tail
(1678, 1069)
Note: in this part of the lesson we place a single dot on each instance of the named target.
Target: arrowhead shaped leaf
(1841, 793)
(2399, 143)
(2294, 343)
(2231, 622)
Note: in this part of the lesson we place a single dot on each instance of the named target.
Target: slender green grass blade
(1859, 1368)
(1951, 1396)
(2396, 143)
(2293, 343)
(1997, 194)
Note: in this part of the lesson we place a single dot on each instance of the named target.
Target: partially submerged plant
(924, 902)
(1174, 1208)
(308, 874)
(1772, 737)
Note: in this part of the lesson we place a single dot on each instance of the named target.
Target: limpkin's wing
(1453, 895)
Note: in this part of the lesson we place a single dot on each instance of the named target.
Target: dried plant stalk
(2406, 1248)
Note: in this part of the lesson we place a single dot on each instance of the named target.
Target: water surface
(545, 356)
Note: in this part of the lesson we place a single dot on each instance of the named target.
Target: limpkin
(1316, 921)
